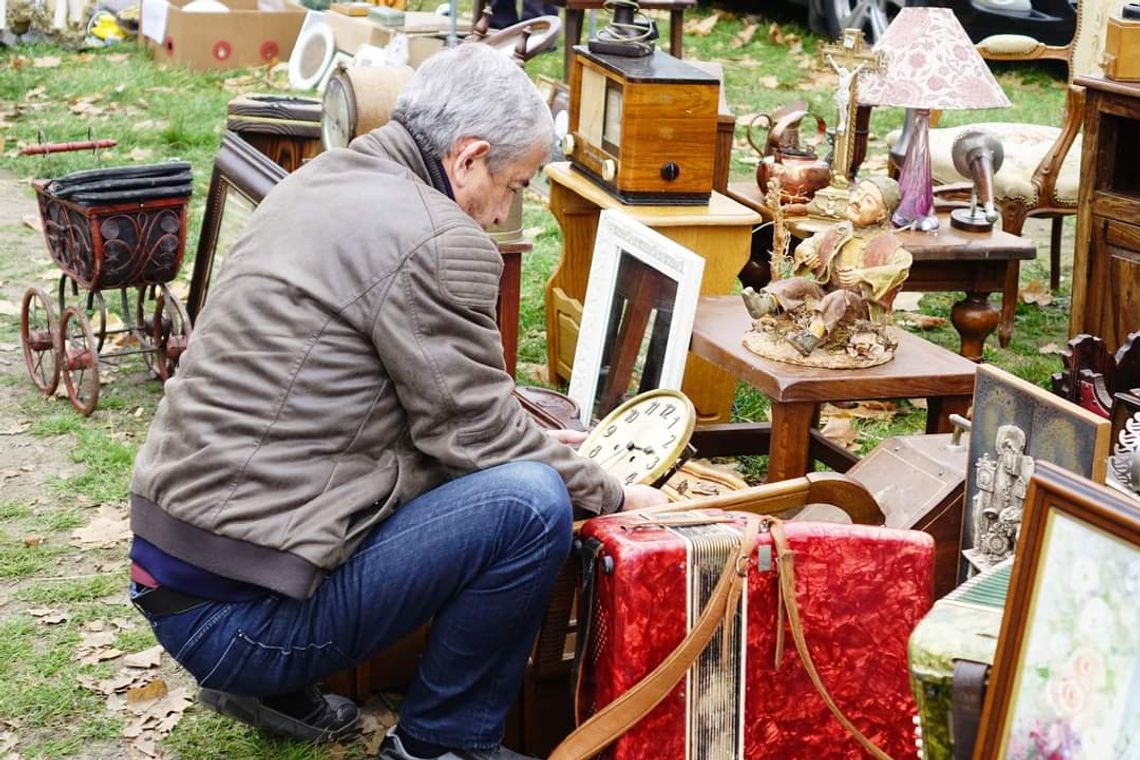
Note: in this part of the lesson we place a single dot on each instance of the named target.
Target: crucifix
(849, 58)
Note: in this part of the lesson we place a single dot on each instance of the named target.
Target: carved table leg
(789, 452)
(1009, 302)
(939, 409)
(974, 318)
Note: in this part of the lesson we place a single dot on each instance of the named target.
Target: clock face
(336, 126)
(641, 440)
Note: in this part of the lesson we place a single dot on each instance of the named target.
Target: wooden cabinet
(1106, 263)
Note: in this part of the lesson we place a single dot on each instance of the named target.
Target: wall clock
(645, 439)
(357, 99)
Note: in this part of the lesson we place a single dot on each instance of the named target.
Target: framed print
(641, 299)
(1066, 679)
(242, 177)
(1016, 424)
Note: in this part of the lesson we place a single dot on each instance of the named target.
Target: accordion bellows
(860, 589)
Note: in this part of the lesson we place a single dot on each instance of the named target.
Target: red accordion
(860, 592)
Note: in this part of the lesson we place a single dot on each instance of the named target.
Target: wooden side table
(920, 369)
(576, 12)
(978, 263)
(1106, 262)
(719, 232)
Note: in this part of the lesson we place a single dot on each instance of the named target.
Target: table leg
(676, 32)
(789, 453)
(974, 318)
(939, 409)
(571, 36)
(1008, 302)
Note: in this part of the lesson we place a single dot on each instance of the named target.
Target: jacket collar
(394, 142)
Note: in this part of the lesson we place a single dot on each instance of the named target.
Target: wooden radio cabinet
(1106, 262)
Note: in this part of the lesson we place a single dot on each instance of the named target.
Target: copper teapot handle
(767, 128)
(820, 130)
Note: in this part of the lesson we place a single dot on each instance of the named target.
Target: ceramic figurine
(835, 308)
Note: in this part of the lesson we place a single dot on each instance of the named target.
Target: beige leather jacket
(347, 360)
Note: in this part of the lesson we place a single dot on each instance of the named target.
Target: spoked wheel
(171, 333)
(143, 328)
(39, 336)
(80, 360)
(831, 17)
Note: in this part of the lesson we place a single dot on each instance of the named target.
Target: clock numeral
(674, 422)
(633, 415)
(668, 410)
(630, 478)
(656, 461)
(594, 452)
(609, 431)
(652, 407)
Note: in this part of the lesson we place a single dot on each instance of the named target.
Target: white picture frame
(625, 245)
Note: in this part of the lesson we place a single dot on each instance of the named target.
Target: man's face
(486, 196)
(866, 206)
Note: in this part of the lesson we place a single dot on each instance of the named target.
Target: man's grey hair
(474, 90)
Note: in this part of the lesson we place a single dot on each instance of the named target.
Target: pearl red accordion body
(860, 590)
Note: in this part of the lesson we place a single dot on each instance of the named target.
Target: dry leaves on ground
(46, 62)
(907, 301)
(921, 321)
(841, 430)
(9, 309)
(147, 658)
(156, 710)
(744, 36)
(96, 646)
(863, 410)
(1051, 348)
(48, 615)
(703, 27)
(769, 82)
(1036, 292)
(107, 528)
(140, 154)
(36, 223)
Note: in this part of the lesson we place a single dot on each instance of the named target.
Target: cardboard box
(426, 34)
(245, 36)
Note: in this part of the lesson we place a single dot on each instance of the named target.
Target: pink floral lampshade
(931, 63)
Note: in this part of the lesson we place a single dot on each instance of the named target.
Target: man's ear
(461, 159)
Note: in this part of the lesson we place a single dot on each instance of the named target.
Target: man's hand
(848, 278)
(810, 259)
(572, 438)
(640, 496)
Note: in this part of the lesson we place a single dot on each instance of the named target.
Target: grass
(157, 113)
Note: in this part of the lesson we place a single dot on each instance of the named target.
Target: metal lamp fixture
(931, 64)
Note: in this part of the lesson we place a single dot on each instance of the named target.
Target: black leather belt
(166, 601)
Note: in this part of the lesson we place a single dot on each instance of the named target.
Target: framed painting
(641, 299)
(242, 177)
(1066, 678)
(1014, 421)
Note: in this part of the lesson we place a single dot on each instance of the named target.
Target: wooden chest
(643, 128)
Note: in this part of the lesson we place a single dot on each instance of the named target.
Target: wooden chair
(1092, 376)
(1041, 172)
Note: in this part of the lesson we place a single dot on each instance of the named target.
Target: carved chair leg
(1012, 220)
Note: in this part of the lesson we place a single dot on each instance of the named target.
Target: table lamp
(931, 64)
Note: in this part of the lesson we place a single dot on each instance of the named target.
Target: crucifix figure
(849, 58)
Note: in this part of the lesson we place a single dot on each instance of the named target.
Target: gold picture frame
(1066, 678)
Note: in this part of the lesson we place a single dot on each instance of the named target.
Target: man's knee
(541, 489)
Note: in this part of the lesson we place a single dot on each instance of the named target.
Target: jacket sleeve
(436, 336)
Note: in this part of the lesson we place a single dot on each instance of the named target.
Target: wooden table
(720, 232)
(920, 369)
(977, 263)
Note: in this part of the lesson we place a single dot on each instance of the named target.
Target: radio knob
(670, 171)
(609, 170)
(568, 144)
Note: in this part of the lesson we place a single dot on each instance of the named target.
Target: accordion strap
(615, 718)
(785, 559)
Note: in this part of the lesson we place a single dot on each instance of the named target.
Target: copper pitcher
(798, 169)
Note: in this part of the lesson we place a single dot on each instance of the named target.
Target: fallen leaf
(108, 686)
(770, 82)
(703, 27)
(35, 93)
(775, 33)
(842, 431)
(56, 619)
(41, 611)
(46, 62)
(107, 528)
(9, 309)
(1036, 292)
(140, 696)
(147, 658)
(1051, 348)
(117, 57)
(36, 224)
(33, 541)
(140, 154)
(922, 321)
(94, 626)
(744, 36)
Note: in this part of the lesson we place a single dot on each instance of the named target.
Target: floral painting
(1077, 696)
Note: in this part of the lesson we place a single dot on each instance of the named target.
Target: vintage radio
(1122, 45)
(643, 128)
(962, 627)
(860, 590)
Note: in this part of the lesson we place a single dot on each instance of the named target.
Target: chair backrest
(1087, 48)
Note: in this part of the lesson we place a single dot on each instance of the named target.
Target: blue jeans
(478, 555)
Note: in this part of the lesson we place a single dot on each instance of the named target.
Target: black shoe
(393, 749)
(313, 717)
